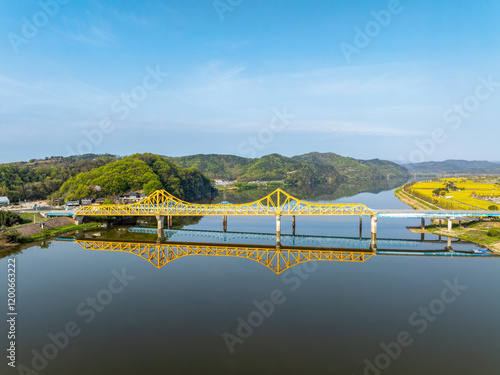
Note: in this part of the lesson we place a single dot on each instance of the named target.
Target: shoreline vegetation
(11, 238)
(485, 233)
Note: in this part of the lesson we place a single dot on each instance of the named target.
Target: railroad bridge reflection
(276, 259)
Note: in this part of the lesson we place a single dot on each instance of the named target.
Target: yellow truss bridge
(279, 202)
(277, 260)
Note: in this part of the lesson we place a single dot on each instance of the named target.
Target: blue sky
(250, 78)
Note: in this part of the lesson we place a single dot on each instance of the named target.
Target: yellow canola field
(429, 185)
(461, 199)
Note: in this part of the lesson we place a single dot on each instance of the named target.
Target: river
(108, 312)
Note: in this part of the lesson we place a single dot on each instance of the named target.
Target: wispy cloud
(93, 31)
(351, 128)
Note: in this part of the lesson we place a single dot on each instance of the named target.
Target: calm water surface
(222, 315)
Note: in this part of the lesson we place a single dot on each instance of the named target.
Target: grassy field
(482, 233)
(31, 218)
(46, 233)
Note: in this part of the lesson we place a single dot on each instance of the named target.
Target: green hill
(139, 172)
(308, 169)
(355, 169)
(228, 167)
(37, 179)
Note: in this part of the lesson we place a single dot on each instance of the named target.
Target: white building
(4, 201)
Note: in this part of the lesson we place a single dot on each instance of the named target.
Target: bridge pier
(422, 224)
(169, 221)
(224, 223)
(293, 225)
(450, 225)
(79, 219)
(161, 227)
(448, 245)
(373, 244)
(278, 231)
(360, 227)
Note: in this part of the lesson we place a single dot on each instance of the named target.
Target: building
(4, 201)
(72, 203)
(132, 197)
(219, 182)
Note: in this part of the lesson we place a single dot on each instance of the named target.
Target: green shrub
(9, 219)
(494, 232)
(13, 236)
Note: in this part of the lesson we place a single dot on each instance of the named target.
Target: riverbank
(412, 201)
(475, 232)
(480, 233)
(34, 232)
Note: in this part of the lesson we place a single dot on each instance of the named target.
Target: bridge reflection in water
(276, 259)
(286, 239)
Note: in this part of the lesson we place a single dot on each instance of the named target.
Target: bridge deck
(436, 214)
(161, 203)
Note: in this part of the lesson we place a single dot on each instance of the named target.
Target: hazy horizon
(213, 153)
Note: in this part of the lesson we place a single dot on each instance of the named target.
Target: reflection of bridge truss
(286, 239)
(278, 260)
(277, 203)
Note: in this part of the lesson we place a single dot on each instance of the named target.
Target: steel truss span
(278, 202)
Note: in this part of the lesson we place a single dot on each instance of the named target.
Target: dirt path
(34, 229)
(410, 201)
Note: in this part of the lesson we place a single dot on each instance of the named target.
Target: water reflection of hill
(326, 192)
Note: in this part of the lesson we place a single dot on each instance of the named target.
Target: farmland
(458, 193)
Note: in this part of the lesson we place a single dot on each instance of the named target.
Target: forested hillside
(355, 169)
(308, 169)
(38, 179)
(139, 172)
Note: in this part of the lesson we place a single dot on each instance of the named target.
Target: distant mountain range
(454, 167)
(307, 169)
